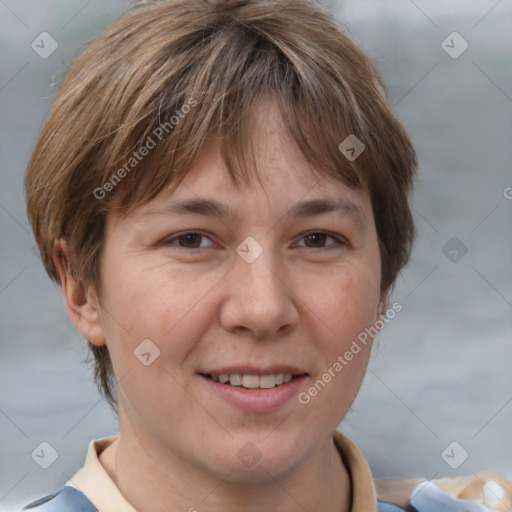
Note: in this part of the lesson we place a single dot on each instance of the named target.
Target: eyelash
(339, 240)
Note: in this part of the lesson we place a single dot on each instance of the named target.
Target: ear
(383, 306)
(381, 313)
(82, 306)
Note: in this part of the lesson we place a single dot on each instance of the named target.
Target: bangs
(186, 106)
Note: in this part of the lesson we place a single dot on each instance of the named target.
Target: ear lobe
(82, 307)
(383, 305)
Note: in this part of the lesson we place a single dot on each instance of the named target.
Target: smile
(262, 393)
(253, 381)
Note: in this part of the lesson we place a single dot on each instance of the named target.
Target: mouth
(255, 390)
(253, 381)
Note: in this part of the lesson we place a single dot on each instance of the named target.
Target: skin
(301, 302)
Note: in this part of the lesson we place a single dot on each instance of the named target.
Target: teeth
(249, 381)
(235, 379)
(253, 381)
(267, 381)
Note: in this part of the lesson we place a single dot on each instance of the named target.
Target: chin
(260, 473)
(251, 465)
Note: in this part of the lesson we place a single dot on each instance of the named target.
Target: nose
(260, 302)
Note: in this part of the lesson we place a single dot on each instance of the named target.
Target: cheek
(347, 309)
(151, 299)
(346, 302)
(156, 318)
(347, 306)
(159, 303)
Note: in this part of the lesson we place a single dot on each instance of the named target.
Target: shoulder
(383, 506)
(67, 498)
(482, 492)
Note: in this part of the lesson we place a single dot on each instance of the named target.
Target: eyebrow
(212, 207)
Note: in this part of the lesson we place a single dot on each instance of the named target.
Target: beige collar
(364, 498)
(95, 483)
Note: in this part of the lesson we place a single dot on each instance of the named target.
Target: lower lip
(257, 400)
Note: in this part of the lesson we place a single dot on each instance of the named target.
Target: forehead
(286, 188)
(282, 179)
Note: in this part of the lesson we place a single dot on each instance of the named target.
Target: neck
(153, 479)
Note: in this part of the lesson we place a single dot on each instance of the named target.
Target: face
(259, 285)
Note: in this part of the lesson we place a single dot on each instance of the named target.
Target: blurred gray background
(441, 370)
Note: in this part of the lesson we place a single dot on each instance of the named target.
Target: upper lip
(252, 370)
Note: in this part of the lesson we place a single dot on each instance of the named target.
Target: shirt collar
(364, 498)
(96, 484)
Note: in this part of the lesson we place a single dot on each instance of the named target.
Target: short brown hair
(219, 58)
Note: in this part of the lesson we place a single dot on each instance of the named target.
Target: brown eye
(190, 240)
(318, 240)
